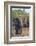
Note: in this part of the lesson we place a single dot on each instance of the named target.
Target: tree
(17, 13)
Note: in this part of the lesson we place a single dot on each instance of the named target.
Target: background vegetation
(17, 13)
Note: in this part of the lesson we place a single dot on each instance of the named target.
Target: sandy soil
(24, 32)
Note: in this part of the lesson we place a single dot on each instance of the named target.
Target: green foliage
(17, 13)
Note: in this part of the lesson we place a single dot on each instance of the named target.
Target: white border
(30, 37)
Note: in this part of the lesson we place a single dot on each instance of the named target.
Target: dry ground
(25, 32)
